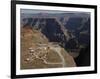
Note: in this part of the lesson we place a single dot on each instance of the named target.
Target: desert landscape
(54, 40)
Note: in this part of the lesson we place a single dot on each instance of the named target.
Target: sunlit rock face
(38, 52)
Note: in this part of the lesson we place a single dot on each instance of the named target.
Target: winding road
(58, 50)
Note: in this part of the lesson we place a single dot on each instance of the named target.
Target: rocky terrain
(38, 52)
(70, 31)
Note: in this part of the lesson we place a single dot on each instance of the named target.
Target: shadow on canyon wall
(84, 58)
